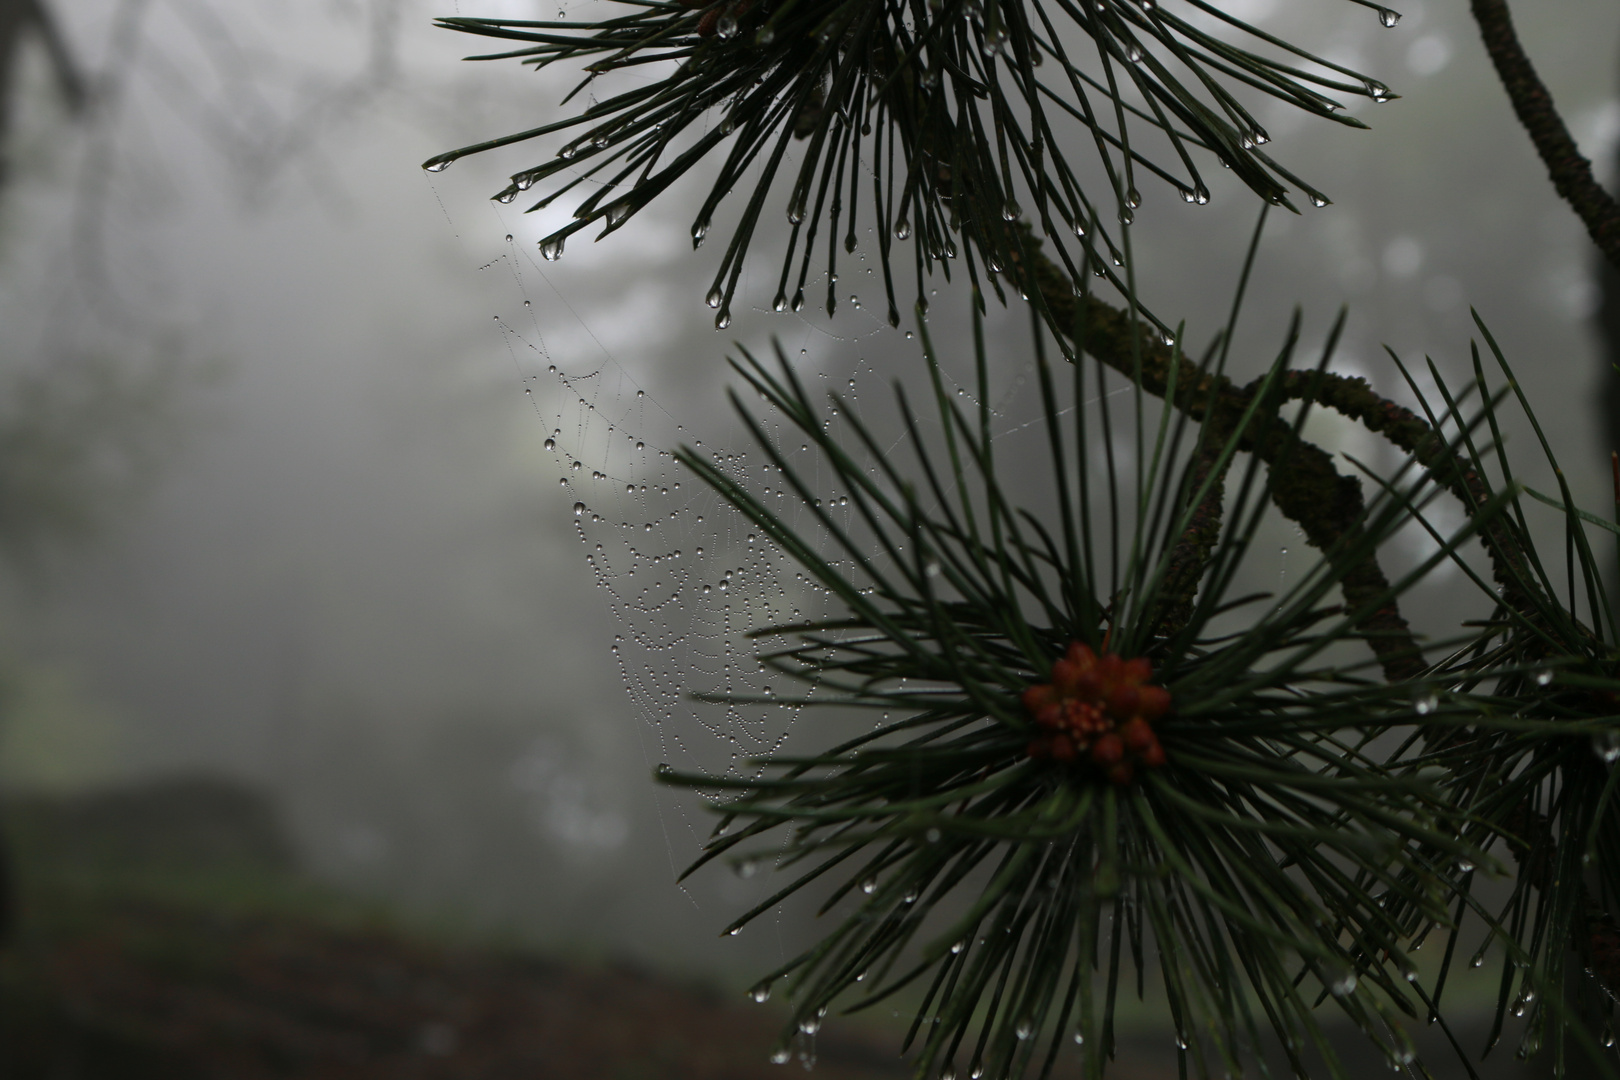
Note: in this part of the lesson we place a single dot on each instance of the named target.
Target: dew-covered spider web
(689, 582)
(692, 587)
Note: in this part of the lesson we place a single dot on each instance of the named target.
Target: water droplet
(551, 248)
(747, 869)
(438, 164)
(902, 229)
(714, 297)
(1011, 211)
(727, 26)
(579, 509)
(869, 886)
(1024, 1029)
(1387, 17)
(1319, 200)
(810, 1024)
(1378, 91)
(551, 444)
(798, 300)
(1133, 53)
(780, 303)
(1342, 984)
(1425, 703)
(618, 212)
(761, 993)
(722, 320)
(958, 946)
(506, 196)
(766, 35)
(524, 181)
(1079, 1038)
(1543, 677)
(1606, 745)
(796, 213)
(781, 1056)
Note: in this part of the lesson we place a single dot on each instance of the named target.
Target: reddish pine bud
(1108, 750)
(710, 20)
(1124, 700)
(1139, 670)
(1153, 702)
(1036, 696)
(1137, 734)
(1120, 775)
(1063, 748)
(1065, 674)
(1153, 756)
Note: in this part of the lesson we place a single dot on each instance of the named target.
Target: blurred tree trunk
(1609, 327)
(19, 19)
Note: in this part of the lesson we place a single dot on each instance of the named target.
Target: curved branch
(1571, 173)
(1324, 503)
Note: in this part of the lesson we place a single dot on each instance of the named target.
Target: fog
(351, 577)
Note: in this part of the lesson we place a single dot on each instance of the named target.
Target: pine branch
(1306, 487)
(1571, 173)
(1353, 398)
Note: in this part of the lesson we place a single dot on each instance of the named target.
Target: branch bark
(1571, 173)
(1324, 503)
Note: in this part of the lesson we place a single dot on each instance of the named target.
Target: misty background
(330, 554)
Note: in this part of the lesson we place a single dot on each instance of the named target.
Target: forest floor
(165, 933)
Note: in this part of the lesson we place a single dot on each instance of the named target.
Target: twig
(1324, 503)
(1571, 173)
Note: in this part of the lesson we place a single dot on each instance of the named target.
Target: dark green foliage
(1283, 854)
(1535, 705)
(1317, 814)
(922, 120)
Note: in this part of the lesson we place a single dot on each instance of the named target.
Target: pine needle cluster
(1112, 772)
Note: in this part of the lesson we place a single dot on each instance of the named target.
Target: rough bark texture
(1571, 173)
(1306, 487)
